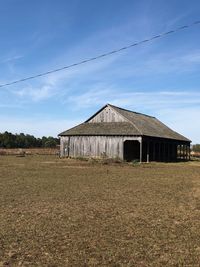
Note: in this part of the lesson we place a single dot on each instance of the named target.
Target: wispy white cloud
(36, 94)
(90, 46)
(137, 99)
(62, 83)
(92, 97)
(171, 62)
(10, 59)
(140, 62)
(158, 64)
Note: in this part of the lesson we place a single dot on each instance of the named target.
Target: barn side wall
(94, 146)
(107, 115)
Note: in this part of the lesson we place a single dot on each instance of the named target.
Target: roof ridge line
(126, 119)
(95, 113)
(132, 111)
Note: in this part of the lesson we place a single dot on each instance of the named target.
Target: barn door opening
(131, 150)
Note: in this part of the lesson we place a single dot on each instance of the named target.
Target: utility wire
(102, 55)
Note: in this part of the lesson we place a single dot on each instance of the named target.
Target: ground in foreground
(59, 212)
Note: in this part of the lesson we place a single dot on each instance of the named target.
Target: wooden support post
(68, 147)
(164, 152)
(184, 152)
(189, 151)
(147, 151)
(168, 151)
(141, 150)
(160, 151)
(154, 150)
(178, 151)
(167, 146)
(173, 152)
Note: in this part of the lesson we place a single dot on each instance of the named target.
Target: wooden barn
(115, 132)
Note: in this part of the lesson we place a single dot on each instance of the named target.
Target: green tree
(9, 140)
(196, 148)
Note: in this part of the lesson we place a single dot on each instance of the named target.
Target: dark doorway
(131, 150)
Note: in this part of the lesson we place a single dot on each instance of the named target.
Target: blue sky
(160, 78)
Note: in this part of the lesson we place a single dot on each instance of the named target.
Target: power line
(102, 55)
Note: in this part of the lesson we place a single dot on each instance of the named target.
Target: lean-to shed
(115, 132)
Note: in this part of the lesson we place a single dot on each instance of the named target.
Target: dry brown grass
(29, 151)
(60, 212)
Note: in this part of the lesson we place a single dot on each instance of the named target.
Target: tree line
(196, 148)
(9, 140)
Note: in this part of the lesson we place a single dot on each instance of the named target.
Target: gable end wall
(107, 115)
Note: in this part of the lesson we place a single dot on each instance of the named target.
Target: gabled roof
(148, 125)
(135, 124)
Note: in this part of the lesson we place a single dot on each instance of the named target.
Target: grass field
(29, 151)
(59, 212)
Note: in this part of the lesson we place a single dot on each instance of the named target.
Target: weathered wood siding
(94, 146)
(107, 115)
